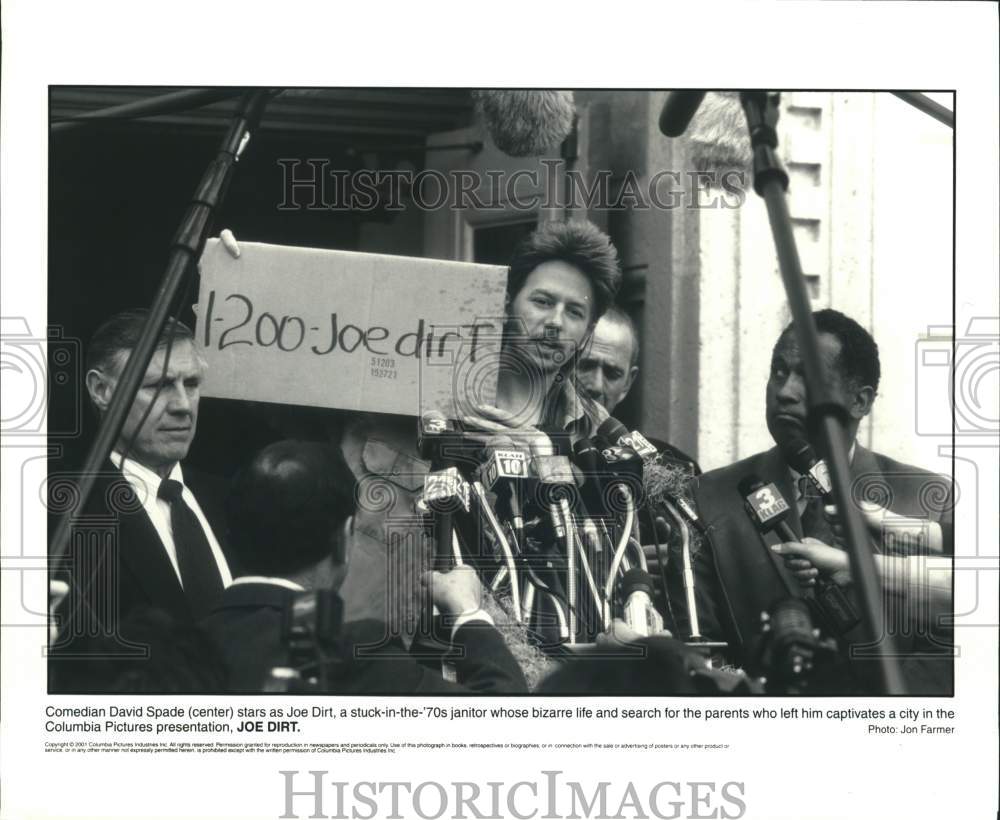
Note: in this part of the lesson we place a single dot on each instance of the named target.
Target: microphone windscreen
(611, 430)
(678, 110)
(670, 482)
(666, 479)
(526, 123)
(718, 135)
(799, 454)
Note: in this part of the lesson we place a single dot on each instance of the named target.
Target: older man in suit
(150, 534)
(740, 577)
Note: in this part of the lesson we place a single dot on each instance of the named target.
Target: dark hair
(577, 243)
(286, 508)
(858, 359)
(121, 333)
(617, 314)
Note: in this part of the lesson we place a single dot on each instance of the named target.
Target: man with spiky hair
(739, 579)
(563, 277)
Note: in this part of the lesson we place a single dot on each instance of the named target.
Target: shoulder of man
(904, 488)
(731, 473)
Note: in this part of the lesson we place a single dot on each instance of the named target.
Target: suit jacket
(116, 562)
(247, 626)
(737, 578)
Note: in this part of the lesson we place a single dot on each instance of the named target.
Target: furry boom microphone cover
(526, 123)
(718, 135)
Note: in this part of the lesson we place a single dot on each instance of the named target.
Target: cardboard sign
(358, 331)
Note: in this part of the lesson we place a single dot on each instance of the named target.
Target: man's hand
(232, 246)
(492, 421)
(809, 557)
(229, 242)
(455, 593)
(58, 590)
(910, 535)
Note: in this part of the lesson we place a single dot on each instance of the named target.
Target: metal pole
(186, 248)
(771, 182)
(924, 103)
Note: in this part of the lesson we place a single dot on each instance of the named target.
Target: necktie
(814, 524)
(199, 571)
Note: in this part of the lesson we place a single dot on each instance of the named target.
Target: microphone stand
(770, 181)
(187, 246)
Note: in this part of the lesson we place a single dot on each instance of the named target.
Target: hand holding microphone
(807, 558)
(455, 593)
(892, 532)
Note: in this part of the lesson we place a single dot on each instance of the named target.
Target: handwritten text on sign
(388, 334)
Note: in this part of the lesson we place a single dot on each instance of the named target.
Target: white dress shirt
(261, 579)
(146, 484)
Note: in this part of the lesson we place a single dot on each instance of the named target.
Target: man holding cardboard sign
(562, 279)
(407, 335)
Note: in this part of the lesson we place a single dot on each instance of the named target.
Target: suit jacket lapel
(142, 553)
(774, 469)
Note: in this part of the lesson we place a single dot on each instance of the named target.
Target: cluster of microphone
(553, 526)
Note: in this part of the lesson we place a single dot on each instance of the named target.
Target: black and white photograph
(563, 441)
(478, 391)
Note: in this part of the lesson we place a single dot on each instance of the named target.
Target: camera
(967, 370)
(37, 390)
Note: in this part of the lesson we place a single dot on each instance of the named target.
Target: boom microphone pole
(187, 246)
(770, 181)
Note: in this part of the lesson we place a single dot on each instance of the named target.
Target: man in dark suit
(150, 532)
(290, 515)
(739, 577)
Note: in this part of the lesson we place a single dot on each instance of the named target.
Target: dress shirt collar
(573, 412)
(143, 476)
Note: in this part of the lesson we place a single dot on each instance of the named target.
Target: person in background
(291, 517)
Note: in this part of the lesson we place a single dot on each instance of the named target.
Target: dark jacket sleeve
(483, 664)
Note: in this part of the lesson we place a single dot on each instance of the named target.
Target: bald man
(608, 368)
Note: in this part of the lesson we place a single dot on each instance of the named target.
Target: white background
(791, 769)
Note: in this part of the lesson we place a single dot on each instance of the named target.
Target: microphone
(434, 433)
(613, 431)
(525, 123)
(504, 466)
(624, 469)
(444, 443)
(678, 110)
(768, 509)
(445, 493)
(802, 458)
(556, 486)
(585, 458)
(638, 610)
